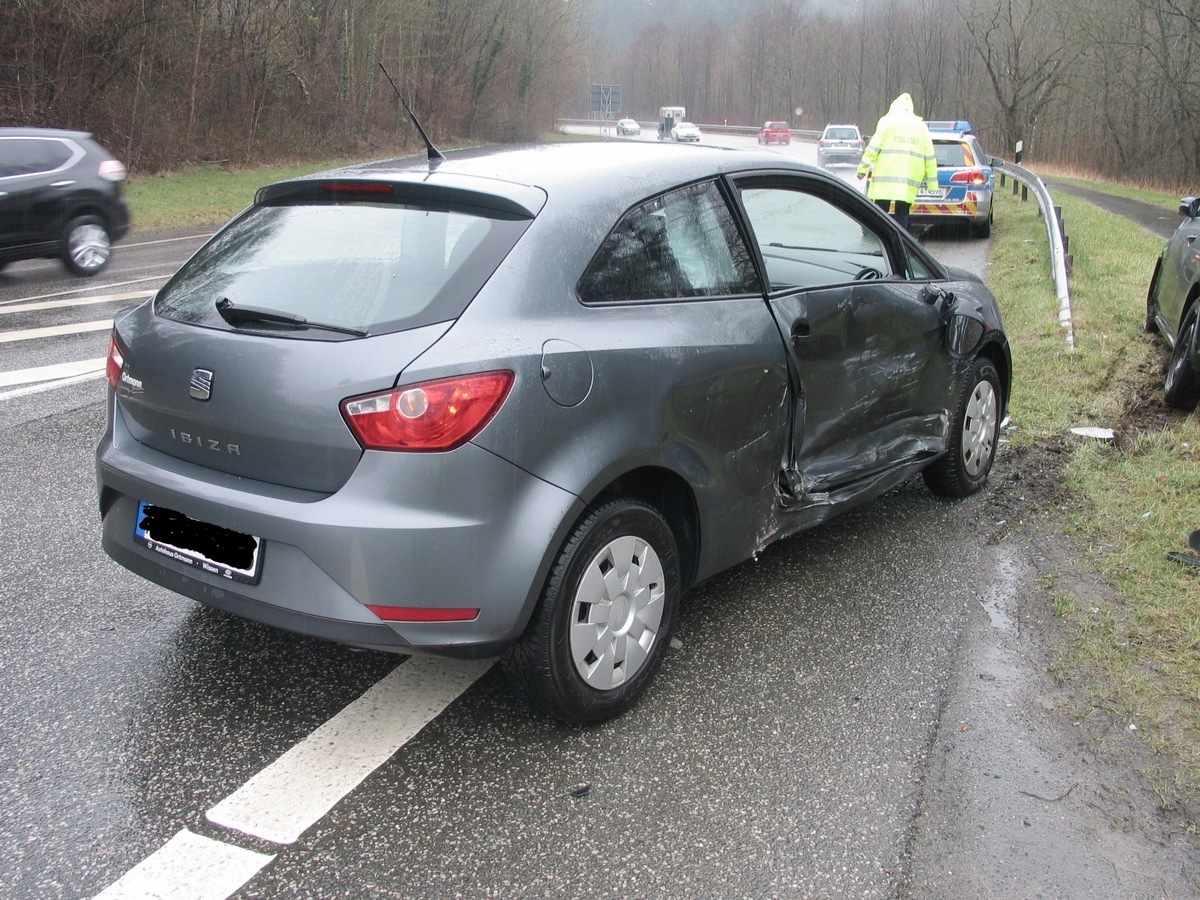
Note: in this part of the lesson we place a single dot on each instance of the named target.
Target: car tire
(87, 246)
(619, 563)
(1182, 384)
(964, 468)
(982, 229)
(1150, 326)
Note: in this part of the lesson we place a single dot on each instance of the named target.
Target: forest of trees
(1106, 85)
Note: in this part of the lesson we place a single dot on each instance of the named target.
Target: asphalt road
(803, 739)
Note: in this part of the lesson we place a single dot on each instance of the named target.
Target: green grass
(1135, 648)
(201, 196)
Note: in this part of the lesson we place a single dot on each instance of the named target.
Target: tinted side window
(682, 244)
(807, 241)
(25, 156)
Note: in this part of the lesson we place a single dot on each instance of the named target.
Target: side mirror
(1189, 207)
(964, 334)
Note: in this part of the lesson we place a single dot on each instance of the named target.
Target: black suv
(60, 196)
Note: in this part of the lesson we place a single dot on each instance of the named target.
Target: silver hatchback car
(516, 401)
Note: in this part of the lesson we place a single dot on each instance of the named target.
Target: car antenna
(434, 153)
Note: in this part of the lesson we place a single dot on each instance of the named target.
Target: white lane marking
(188, 867)
(86, 290)
(51, 385)
(32, 334)
(186, 237)
(51, 373)
(283, 800)
(78, 301)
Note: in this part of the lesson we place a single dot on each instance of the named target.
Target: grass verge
(1134, 651)
(202, 196)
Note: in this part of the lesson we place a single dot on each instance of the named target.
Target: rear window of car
(953, 153)
(370, 266)
(841, 134)
(777, 126)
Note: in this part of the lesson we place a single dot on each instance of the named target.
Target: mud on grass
(1122, 621)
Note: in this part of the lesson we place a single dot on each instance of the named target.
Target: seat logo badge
(202, 380)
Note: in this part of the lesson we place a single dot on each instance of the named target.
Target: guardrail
(1054, 232)
(710, 128)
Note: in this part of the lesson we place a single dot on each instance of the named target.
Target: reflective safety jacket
(900, 155)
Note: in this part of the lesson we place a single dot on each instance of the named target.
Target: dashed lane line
(57, 372)
(289, 796)
(283, 800)
(39, 305)
(33, 334)
(188, 867)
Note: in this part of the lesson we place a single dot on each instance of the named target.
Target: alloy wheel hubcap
(616, 615)
(90, 246)
(979, 428)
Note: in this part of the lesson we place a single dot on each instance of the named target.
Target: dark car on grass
(516, 402)
(1173, 307)
(60, 198)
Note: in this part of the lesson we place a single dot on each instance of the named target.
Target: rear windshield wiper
(236, 314)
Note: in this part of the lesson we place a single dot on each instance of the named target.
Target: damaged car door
(865, 339)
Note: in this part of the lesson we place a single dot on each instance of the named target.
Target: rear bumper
(976, 206)
(413, 530)
(840, 156)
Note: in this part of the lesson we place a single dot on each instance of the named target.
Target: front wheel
(1182, 384)
(964, 468)
(604, 621)
(1151, 324)
(86, 245)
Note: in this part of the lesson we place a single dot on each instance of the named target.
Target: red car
(777, 132)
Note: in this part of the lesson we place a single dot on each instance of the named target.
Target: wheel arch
(674, 499)
(998, 355)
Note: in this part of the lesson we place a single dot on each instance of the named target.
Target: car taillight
(112, 170)
(820, 142)
(427, 417)
(116, 362)
(974, 178)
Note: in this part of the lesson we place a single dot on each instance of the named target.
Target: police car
(965, 185)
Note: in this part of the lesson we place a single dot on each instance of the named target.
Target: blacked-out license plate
(210, 548)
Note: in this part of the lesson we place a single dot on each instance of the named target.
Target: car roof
(593, 174)
(32, 131)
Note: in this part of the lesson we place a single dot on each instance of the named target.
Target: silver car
(517, 401)
(1172, 308)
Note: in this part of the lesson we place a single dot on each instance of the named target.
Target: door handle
(800, 329)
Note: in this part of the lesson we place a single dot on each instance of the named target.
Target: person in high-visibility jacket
(899, 158)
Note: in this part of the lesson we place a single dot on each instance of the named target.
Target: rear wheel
(86, 245)
(1182, 385)
(965, 467)
(604, 621)
(982, 229)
